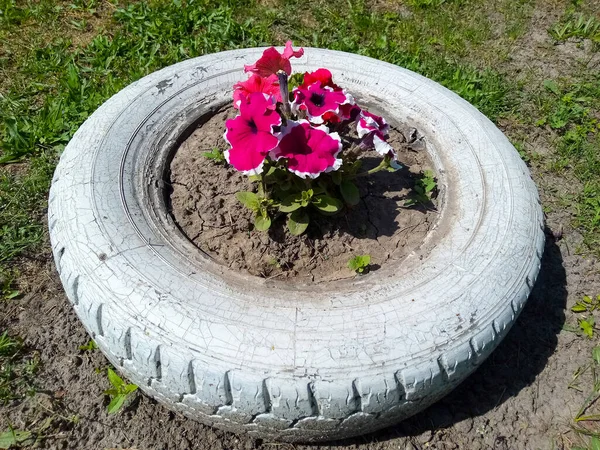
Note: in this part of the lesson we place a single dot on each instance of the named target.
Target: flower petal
(309, 150)
(368, 122)
(250, 134)
(288, 51)
(381, 146)
(256, 83)
(272, 61)
(318, 100)
(322, 75)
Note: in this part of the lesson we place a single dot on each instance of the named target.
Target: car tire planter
(294, 362)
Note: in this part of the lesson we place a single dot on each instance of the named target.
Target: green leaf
(14, 437)
(295, 80)
(552, 86)
(587, 327)
(215, 154)
(91, 345)
(291, 203)
(129, 389)
(353, 168)
(116, 403)
(12, 295)
(579, 308)
(587, 299)
(336, 177)
(327, 204)
(262, 223)
(249, 199)
(595, 443)
(350, 192)
(112, 392)
(306, 197)
(114, 379)
(298, 222)
(359, 263)
(571, 328)
(596, 354)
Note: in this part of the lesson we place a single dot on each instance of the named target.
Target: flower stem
(285, 94)
(384, 164)
(262, 188)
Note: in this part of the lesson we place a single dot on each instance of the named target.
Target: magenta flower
(373, 129)
(272, 61)
(317, 100)
(368, 123)
(256, 83)
(347, 112)
(322, 75)
(309, 150)
(250, 134)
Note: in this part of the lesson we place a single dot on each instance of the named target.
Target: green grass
(572, 110)
(57, 78)
(61, 59)
(17, 369)
(577, 24)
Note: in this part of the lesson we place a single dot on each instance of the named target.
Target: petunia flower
(322, 75)
(272, 61)
(256, 83)
(250, 134)
(347, 112)
(309, 150)
(369, 122)
(373, 129)
(317, 100)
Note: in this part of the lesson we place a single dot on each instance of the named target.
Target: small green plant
(424, 189)
(91, 345)
(587, 326)
(216, 155)
(589, 439)
(17, 369)
(16, 438)
(119, 392)
(578, 27)
(586, 305)
(359, 263)
(25, 438)
(426, 3)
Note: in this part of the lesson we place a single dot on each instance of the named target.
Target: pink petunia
(322, 75)
(317, 100)
(256, 83)
(373, 129)
(250, 134)
(272, 61)
(347, 112)
(370, 122)
(309, 150)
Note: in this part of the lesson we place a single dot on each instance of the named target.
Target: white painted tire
(302, 363)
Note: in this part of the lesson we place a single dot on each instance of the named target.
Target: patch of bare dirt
(536, 56)
(205, 207)
(519, 398)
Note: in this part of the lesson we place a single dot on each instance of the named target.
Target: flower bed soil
(205, 207)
